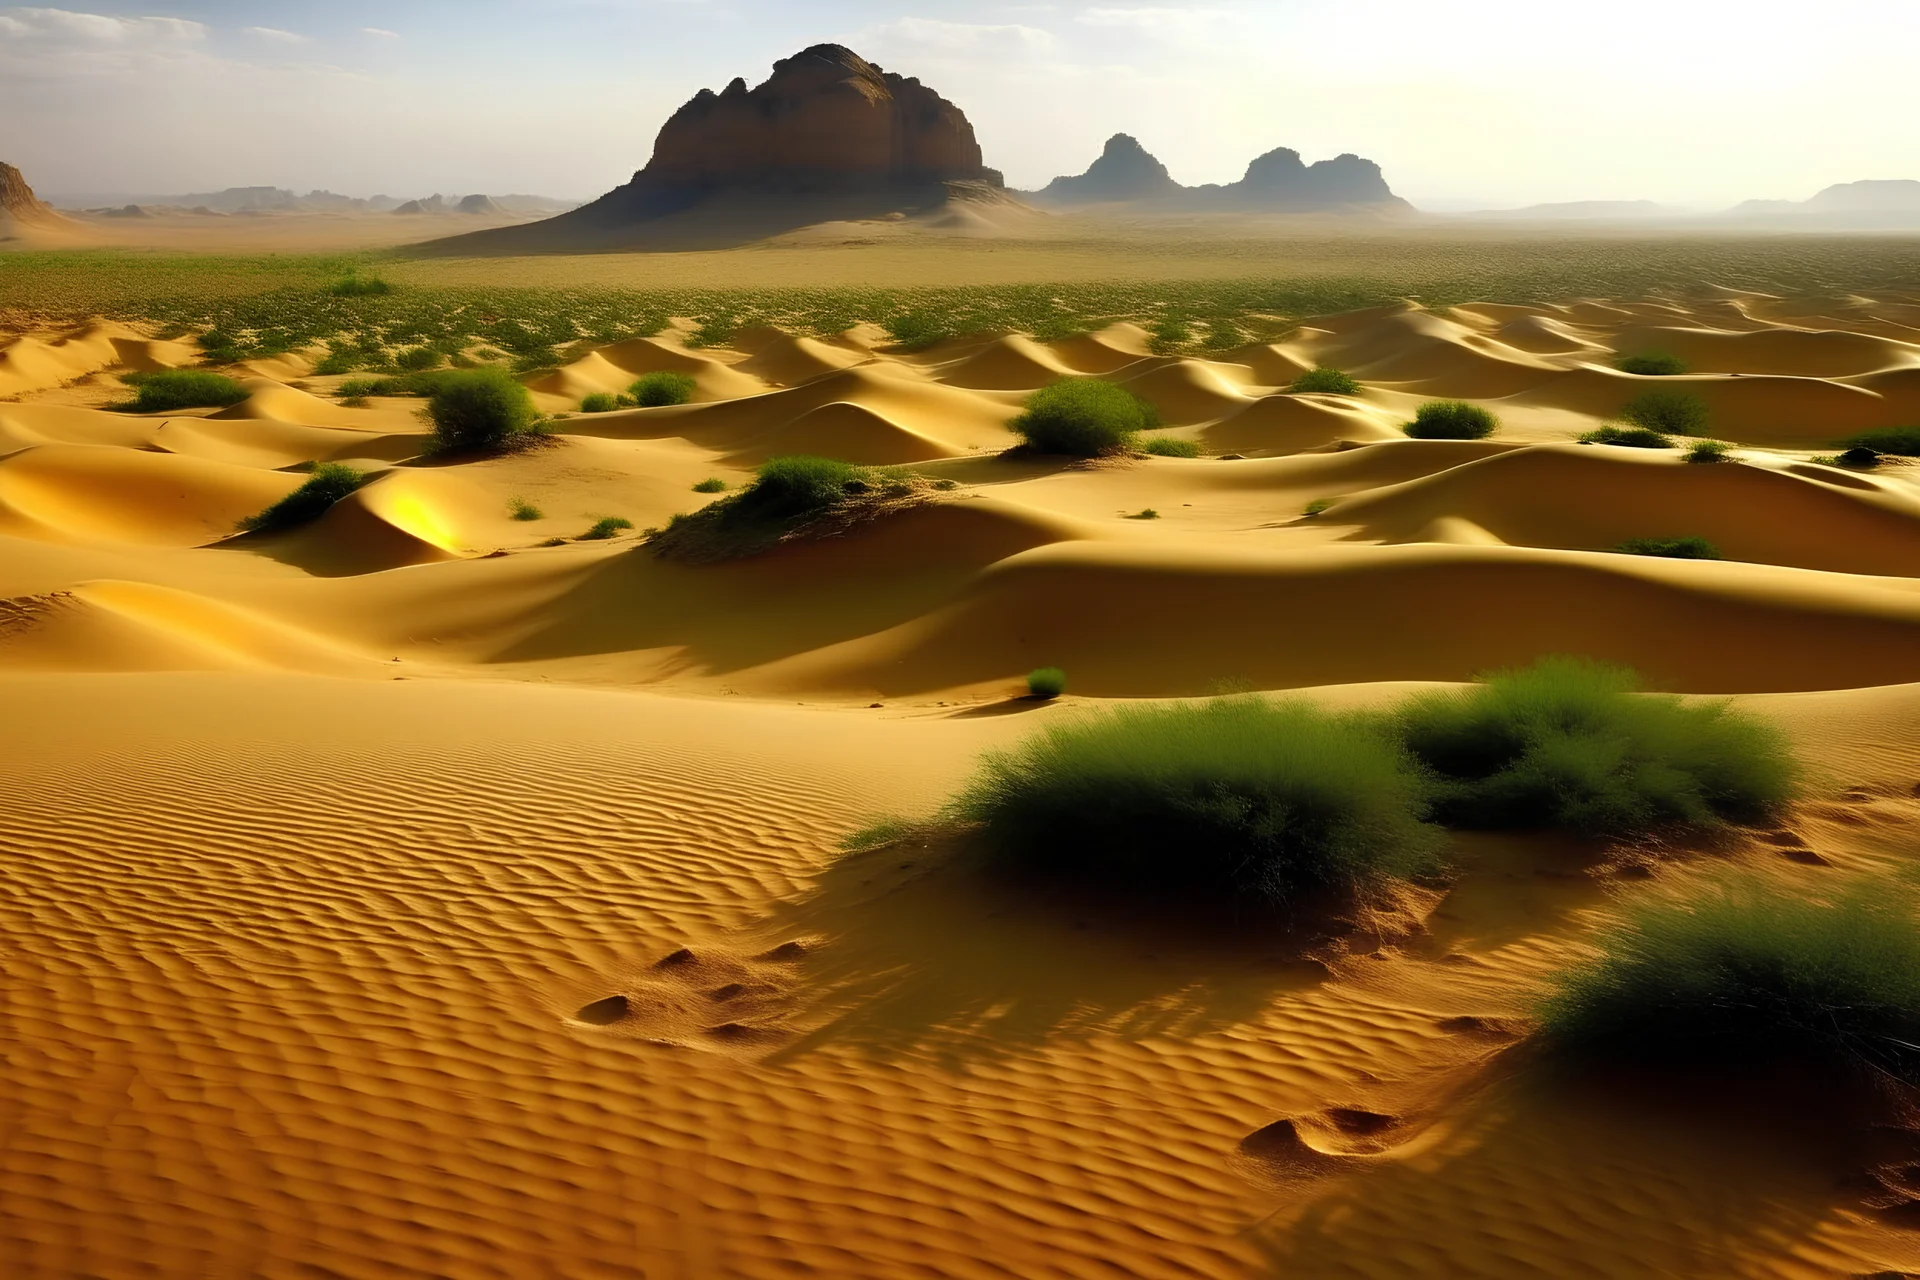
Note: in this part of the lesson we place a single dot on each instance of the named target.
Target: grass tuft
(1687, 548)
(1452, 420)
(712, 484)
(599, 402)
(1568, 743)
(1626, 437)
(521, 509)
(662, 387)
(1170, 447)
(1083, 418)
(605, 527)
(1324, 381)
(1739, 977)
(173, 389)
(482, 410)
(1318, 506)
(1239, 799)
(1046, 683)
(1707, 451)
(1652, 364)
(326, 484)
(790, 497)
(1673, 413)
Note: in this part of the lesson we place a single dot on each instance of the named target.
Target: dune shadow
(1015, 706)
(1536, 1174)
(923, 953)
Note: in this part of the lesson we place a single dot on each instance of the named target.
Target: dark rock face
(1277, 181)
(1124, 171)
(17, 201)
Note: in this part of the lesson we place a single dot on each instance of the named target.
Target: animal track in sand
(675, 999)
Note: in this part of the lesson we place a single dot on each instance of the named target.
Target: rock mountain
(1277, 181)
(19, 207)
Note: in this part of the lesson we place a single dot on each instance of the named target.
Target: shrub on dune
(481, 410)
(1569, 743)
(1707, 451)
(415, 359)
(789, 497)
(662, 387)
(1626, 437)
(1082, 418)
(1688, 548)
(1452, 420)
(355, 285)
(916, 329)
(173, 389)
(521, 509)
(1324, 381)
(712, 484)
(1739, 977)
(1652, 364)
(1900, 441)
(1241, 799)
(326, 484)
(1169, 447)
(1046, 683)
(605, 527)
(1673, 413)
(598, 402)
(798, 485)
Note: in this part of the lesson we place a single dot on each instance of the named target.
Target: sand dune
(428, 890)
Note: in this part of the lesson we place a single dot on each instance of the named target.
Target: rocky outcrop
(477, 204)
(1275, 182)
(1124, 171)
(18, 204)
(827, 135)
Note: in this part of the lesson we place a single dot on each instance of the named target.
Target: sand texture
(400, 896)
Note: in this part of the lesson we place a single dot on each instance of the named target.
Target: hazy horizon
(1508, 104)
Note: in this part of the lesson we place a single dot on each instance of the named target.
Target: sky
(1468, 104)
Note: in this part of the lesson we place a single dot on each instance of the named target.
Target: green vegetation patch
(712, 484)
(1046, 683)
(421, 385)
(662, 387)
(1172, 447)
(1900, 441)
(1626, 437)
(1452, 420)
(1691, 547)
(172, 389)
(599, 402)
(1673, 413)
(1083, 418)
(1707, 451)
(1739, 977)
(605, 527)
(1652, 364)
(1568, 743)
(326, 484)
(482, 411)
(521, 509)
(1324, 381)
(792, 497)
(1237, 799)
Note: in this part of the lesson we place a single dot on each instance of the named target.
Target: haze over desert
(923, 679)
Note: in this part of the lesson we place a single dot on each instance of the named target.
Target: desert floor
(324, 851)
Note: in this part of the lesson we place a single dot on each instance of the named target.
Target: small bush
(337, 362)
(1707, 451)
(712, 484)
(326, 484)
(1082, 418)
(1626, 437)
(605, 527)
(1145, 513)
(790, 497)
(1688, 548)
(1652, 364)
(1046, 683)
(599, 402)
(1317, 507)
(521, 509)
(662, 387)
(713, 331)
(359, 286)
(1237, 798)
(1452, 420)
(798, 485)
(480, 409)
(1673, 413)
(1567, 743)
(916, 329)
(1740, 977)
(1167, 447)
(422, 384)
(185, 389)
(414, 359)
(1902, 442)
(1170, 335)
(1324, 381)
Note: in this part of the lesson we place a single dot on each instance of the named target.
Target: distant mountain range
(1877, 205)
(1126, 173)
(256, 201)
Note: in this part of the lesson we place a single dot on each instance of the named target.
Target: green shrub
(220, 347)
(1082, 417)
(326, 484)
(1707, 451)
(1318, 506)
(1242, 798)
(798, 485)
(1046, 683)
(1652, 364)
(916, 329)
(1145, 513)
(1901, 441)
(712, 484)
(185, 389)
(1673, 413)
(788, 497)
(1567, 743)
(1324, 381)
(521, 509)
(605, 527)
(599, 402)
(1169, 335)
(1688, 548)
(1452, 420)
(1740, 977)
(359, 286)
(480, 409)
(422, 384)
(1224, 335)
(336, 362)
(713, 331)
(662, 387)
(1168, 447)
(1626, 437)
(414, 359)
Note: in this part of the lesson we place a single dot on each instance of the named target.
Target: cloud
(1149, 19)
(933, 35)
(382, 32)
(58, 29)
(276, 35)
